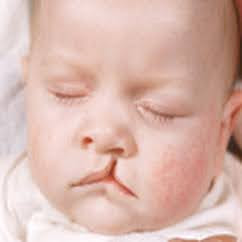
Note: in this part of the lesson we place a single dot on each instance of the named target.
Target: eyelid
(68, 99)
(66, 83)
(180, 106)
(71, 80)
(67, 86)
(156, 117)
(68, 95)
(152, 105)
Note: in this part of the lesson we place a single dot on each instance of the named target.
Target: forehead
(137, 35)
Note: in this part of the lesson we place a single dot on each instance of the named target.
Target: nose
(117, 141)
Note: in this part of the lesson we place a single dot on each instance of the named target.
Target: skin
(114, 92)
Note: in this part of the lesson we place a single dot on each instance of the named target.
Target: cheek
(46, 151)
(177, 187)
(53, 157)
(47, 128)
(181, 176)
(176, 182)
(48, 166)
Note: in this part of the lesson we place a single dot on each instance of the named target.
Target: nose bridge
(111, 105)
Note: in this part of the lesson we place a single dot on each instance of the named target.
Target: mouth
(102, 178)
(107, 181)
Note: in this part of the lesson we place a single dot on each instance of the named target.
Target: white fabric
(14, 42)
(14, 26)
(12, 117)
(26, 216)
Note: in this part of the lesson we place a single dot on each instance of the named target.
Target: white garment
(26, 216)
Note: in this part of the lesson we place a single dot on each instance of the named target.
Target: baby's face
(124, 110)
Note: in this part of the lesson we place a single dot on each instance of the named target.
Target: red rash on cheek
(182, 179)
(178, 175)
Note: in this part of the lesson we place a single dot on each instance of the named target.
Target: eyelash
(68, 99)
(146, 110)
(155, 116)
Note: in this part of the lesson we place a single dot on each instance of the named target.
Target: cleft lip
(125, 188)
(95, 176)
(104, 176)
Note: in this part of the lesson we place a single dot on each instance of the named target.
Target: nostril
(86, 141)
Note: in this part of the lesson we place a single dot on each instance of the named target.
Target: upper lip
(95, 176)
(102, 176)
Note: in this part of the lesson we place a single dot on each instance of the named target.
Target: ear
(238, 124)
(232, 111)
(229, 118)
(230, 115)
(25, 68)
(238, 130)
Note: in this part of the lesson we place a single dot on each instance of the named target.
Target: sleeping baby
(130, 106)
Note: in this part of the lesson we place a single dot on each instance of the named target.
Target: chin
(107, 226)
(110, 229)
(106, 221)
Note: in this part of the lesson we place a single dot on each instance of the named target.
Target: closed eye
(154, 116)
(69, 97)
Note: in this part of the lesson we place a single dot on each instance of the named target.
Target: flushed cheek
(179, 180)
(178, 183)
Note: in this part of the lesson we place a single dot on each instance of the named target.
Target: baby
(130, 107)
